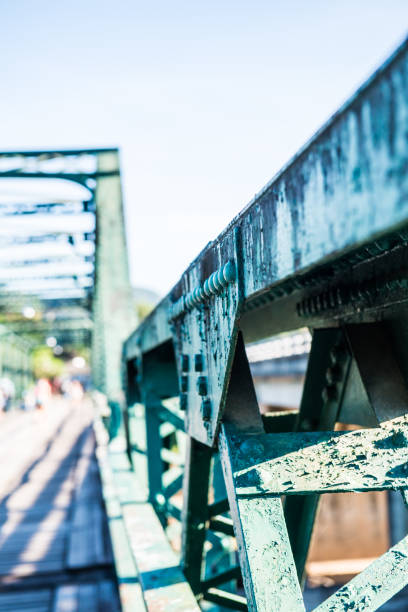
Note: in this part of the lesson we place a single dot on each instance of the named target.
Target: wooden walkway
(55, 553)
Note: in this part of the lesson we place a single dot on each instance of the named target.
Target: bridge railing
(323, 245)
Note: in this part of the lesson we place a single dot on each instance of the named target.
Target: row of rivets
(213, 285)
(184, 380)
(202, 385)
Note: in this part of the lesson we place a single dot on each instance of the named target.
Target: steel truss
(325, 244)
(69, 253)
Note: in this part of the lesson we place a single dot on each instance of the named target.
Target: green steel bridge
(210, 503)
(63, 257)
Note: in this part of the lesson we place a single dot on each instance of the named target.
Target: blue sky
(207, 100)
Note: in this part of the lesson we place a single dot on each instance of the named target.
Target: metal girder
(53, 208)
(112, 305)
(323, 245)
(300, 252)
(36, 164)
(61, 237)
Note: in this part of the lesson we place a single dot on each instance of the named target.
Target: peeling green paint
(373, 586)
(326, 238)
(323, 462)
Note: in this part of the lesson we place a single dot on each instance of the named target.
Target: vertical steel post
(113, 311)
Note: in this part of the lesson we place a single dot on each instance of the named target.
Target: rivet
(206, 287)
(228, 272)
(184, 383)
(206, 409)
(217, 280)
(329, 393)
(160, 499)
(185, 363)
(211, 284)
(183, 401)
(306, 425)
(202, 385)
(338, 354)
(333, 374)
(198, 362)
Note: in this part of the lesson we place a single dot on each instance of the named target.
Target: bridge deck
(54, 546)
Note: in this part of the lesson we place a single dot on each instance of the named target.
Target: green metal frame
(107, 304)
(325, 244)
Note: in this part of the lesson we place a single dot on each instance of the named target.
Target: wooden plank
(287, 464)
(26, 601)
(373, 586)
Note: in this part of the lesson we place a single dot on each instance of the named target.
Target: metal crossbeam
(334, 462)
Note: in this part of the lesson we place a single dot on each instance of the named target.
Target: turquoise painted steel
(325, 243)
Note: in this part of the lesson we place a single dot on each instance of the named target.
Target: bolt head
(184, 363)
(206, 409)
(202, 387)
(229, 272)
(338, 354)
(333, 374)
(183, 401)
(198, 362)
(329, 393)
(184, 383)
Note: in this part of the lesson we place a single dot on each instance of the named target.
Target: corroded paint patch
(266, 559)
(375, 585)
(322, 462)
(270, 561)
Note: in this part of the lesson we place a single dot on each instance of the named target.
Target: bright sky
(207, 100)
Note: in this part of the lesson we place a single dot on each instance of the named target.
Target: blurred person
(29, 399)
(8, 391)
(42, 393)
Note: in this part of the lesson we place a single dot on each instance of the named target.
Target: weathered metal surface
(325, 244)
(194, 517)
(112, 305)
(268, 568)
(345, 189)
(285, 464)
(322, 396)
(373, 586)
